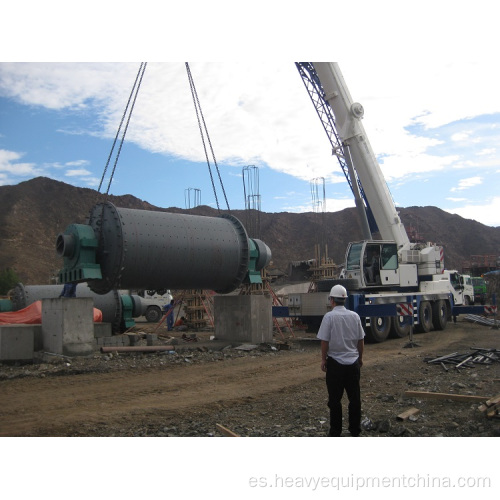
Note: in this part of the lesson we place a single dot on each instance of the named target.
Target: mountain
(34, 212)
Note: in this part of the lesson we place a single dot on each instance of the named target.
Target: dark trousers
(338, 378)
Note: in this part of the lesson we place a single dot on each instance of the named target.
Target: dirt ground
(272, 390)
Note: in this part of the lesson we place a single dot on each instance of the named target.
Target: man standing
(169, 311)
(342, 343)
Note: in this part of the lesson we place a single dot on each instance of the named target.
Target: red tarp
(32, 315)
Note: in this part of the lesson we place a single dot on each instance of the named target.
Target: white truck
(393, 284)
(153, 302)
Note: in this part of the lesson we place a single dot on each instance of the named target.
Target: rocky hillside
(34, 212)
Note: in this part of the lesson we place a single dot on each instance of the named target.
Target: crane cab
(375, 264)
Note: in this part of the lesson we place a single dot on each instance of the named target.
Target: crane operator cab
(373, 263)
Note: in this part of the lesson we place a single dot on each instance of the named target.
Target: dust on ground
(275, 389)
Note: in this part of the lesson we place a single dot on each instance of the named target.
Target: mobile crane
(393, 284)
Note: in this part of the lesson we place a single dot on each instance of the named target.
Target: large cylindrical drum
(142, 249)
(110, 304)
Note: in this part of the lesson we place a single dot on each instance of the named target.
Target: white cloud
(467, 183)
(81, 172)
(260, 113)
(12, 170)
(77, 163)
(59, 86)
(255, 114)
(487, 213)
(460, 136)
(9, 164)
(487, 151)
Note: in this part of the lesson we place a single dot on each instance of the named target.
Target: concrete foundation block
(17, 342)
(151, 339)
(102, 330)
(38, 341)
(114, 341)
(243, 318)
(134, 339)
(68, 326)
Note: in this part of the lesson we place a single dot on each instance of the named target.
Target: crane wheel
(424, 317)
(400, 327)
(439, 314)
(379, 328)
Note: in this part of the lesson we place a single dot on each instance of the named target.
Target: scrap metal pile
(467, 360)
(476, 356)
(482, 320)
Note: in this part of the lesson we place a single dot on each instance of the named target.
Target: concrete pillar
(243, 318)
(68, 326)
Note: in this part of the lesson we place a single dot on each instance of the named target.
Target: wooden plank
(408, 413)
(225, 431)
(492, 411)
(493, 401)
(441, 395)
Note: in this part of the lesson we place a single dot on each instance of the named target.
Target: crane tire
(379, 328)
(400, 327)
(439, 314)
(424, 317)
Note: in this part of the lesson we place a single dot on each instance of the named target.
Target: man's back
(342, 329)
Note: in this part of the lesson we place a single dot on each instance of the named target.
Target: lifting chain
(199, 114)
(135, 88)
(132, 97)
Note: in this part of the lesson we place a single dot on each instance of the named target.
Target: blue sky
(438, 146)
(432, 113)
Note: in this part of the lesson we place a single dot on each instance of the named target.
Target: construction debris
(467, 360)
(408, 413)
(491, 407)
(441, 395)
(225, 431)
(482, 320)
(247, 347)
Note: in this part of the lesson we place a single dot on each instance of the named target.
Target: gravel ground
(294, 408)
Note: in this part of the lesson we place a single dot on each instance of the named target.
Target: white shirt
(342, 329)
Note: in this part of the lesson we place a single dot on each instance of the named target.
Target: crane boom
(348, 115)
(392, 284)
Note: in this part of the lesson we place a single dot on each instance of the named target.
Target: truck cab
(459, 285)
(375, 265)
(480, 292)
(468, 288)
(153, 302)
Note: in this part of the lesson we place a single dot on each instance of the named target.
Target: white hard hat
(338, 291)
